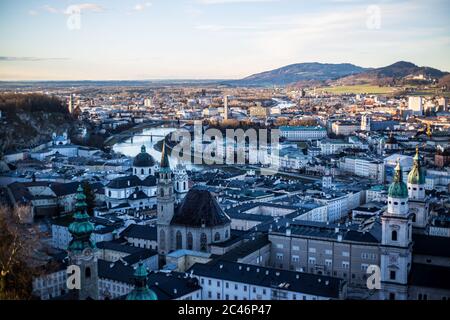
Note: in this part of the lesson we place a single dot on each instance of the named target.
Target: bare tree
(18, 245)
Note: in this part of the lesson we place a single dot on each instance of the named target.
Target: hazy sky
(216, 39)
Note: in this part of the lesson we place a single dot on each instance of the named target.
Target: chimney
(288, 232)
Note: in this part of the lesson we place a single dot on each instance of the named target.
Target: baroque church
(138, 191)
(407, 209)
(192, 224)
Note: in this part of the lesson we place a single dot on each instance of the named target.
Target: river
(132, 146)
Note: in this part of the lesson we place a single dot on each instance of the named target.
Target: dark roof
(199, 208)
(140, 232)
(117, 245)
(164, 157)
(167, 286)
(143, 159)
(319, 285)
(352, 232)
(430, 276)
(131, 181)
(247, 248)
(431, 245)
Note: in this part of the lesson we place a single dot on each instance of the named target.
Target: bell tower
(165, 199)
(396, 241)
(82, 250)
(416, 192)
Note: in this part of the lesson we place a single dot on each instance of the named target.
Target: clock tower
(82, 250)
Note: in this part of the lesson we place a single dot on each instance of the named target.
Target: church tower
(416, 193)
(327, 180)
(165, 199)
(141, 291)
(396, 242)
(82, 250)
(181, 181)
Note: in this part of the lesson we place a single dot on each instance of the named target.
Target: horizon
(200, 80)
(65, 40)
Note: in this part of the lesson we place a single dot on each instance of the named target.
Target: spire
(143, 150)
(398, 188)
(141, 290)
(398, 173)
(416, 175)
(164, 157)
(81, 228)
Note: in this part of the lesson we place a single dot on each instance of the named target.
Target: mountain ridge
(340, 73)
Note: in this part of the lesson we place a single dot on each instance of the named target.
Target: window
(280, 246)
(328, 263)
(329, 252)
(279, 256)
(217, 237)
(245, 288)
(392, 275)
(209, 295)
(345, 264)
(295, 248)
(312, 250)
(345, 254)
(203, 242)
(218, 296)
(190, 241)
(218, 283)
(226, 285)
(295, 258)
(394, 235)
(87, 273)
(142, 171)
(179, 240)
(312, 260)
(391, 296)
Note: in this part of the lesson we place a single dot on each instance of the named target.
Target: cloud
(206, 2)
(50, 9)
(33, 13)
(142, 6)
(29, 59)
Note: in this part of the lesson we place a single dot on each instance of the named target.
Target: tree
(18, 244)
(90, 198)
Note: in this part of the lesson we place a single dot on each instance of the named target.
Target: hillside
(29, 120)
(344, 74)
(393, 74)
(301, 72)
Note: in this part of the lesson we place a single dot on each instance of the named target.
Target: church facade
(138, 191)
(194, 223)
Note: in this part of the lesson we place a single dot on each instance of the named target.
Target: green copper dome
(416, 175)
(81, 228)
(141, 291)
(398, 188)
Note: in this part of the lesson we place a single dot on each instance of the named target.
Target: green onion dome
(81, 228)
(398, 188)
(141, 291)
(416, 175)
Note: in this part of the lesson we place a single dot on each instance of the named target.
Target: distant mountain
(339, 74)
(399, 71)
(301, 72)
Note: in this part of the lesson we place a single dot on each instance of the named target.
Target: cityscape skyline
(213, 39)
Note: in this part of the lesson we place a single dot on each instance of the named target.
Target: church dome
(143, 159)
(398, 188)
(416, 175)
(141, 291)
(200, 208)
